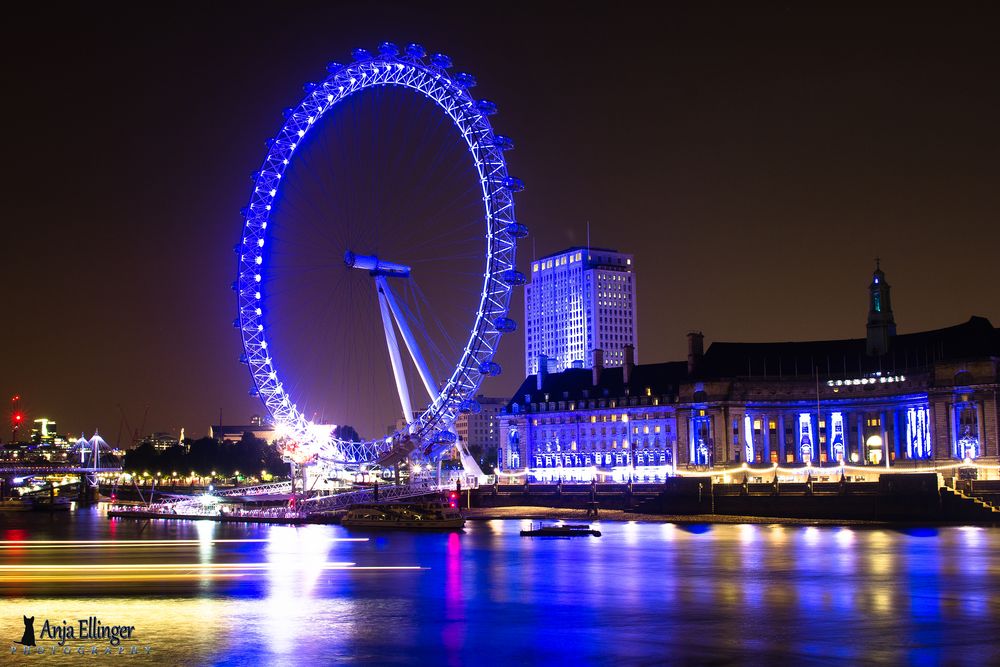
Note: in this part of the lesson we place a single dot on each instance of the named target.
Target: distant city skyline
(754, 159)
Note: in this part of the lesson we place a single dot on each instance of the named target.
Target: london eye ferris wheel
(383, 212)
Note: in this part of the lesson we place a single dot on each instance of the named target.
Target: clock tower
(881, 325)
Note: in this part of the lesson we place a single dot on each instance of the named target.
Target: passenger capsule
(505, 325)
(236, 284)
(465, 79)
(441, 60)
(503, 142)
(244, 212)
(361, 54)
(514, 184)
(236, 323)
(516, 230)
(486, 107)
(388, 49)
(333, 66)
(287, 111)
(470, 406)
(309, 86)
(513, 277)
(243, 358)
(415, 50)
(445, 437)
(490, 368)
(253, 392)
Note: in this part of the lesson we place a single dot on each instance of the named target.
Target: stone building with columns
(902, 400)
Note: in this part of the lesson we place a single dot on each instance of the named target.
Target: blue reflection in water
(641, 593)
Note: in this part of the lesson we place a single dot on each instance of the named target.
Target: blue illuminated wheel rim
(409, 70)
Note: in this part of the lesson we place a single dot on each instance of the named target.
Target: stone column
(862, 446)
(765, 434)
(939, 423)
(992, 435)
(952, 439)
(782, 445)
(980, 428)
(721, 443)
(883, 430)
(727, 439)
(683, 444)
(895, 433)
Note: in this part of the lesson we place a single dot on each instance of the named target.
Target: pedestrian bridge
(22, 470)
(203, 505)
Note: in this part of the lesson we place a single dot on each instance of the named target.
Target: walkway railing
(193, 505)
(344, 500)
(259, 489)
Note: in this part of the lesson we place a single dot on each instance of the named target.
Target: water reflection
(642, 593)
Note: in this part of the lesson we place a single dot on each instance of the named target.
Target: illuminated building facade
(234, 433)
(481, 429)
(162, 441)
(577, 301)
(44, 431)
(908, 400)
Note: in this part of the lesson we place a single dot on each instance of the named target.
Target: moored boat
(404, 516)
(35, 502)
(564, 530)
(16, 505)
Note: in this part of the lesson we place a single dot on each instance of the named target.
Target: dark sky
(754, 156)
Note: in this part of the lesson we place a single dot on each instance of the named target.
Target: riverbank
(226, 518)
(536, 513)
(908, 498)
(561, 513)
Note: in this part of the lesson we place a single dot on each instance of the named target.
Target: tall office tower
(579, 300)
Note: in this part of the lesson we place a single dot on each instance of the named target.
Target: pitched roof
(972, 339)
(662, 378)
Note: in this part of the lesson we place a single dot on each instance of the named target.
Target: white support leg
(397, 362)
(411, 342)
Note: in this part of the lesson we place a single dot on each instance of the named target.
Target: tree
(348, 433)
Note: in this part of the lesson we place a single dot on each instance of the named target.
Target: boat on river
(28, 503)
(404, 516)
(562, 530)
(16, 505)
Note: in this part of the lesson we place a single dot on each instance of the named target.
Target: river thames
(643, 593)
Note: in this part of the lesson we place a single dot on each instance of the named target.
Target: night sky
(754, 158)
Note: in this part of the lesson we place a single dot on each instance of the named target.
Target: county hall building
(903, 400)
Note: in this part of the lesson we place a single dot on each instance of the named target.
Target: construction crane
(137, 434)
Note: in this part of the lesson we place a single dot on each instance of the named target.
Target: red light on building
(453, 499)
(18, 417)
